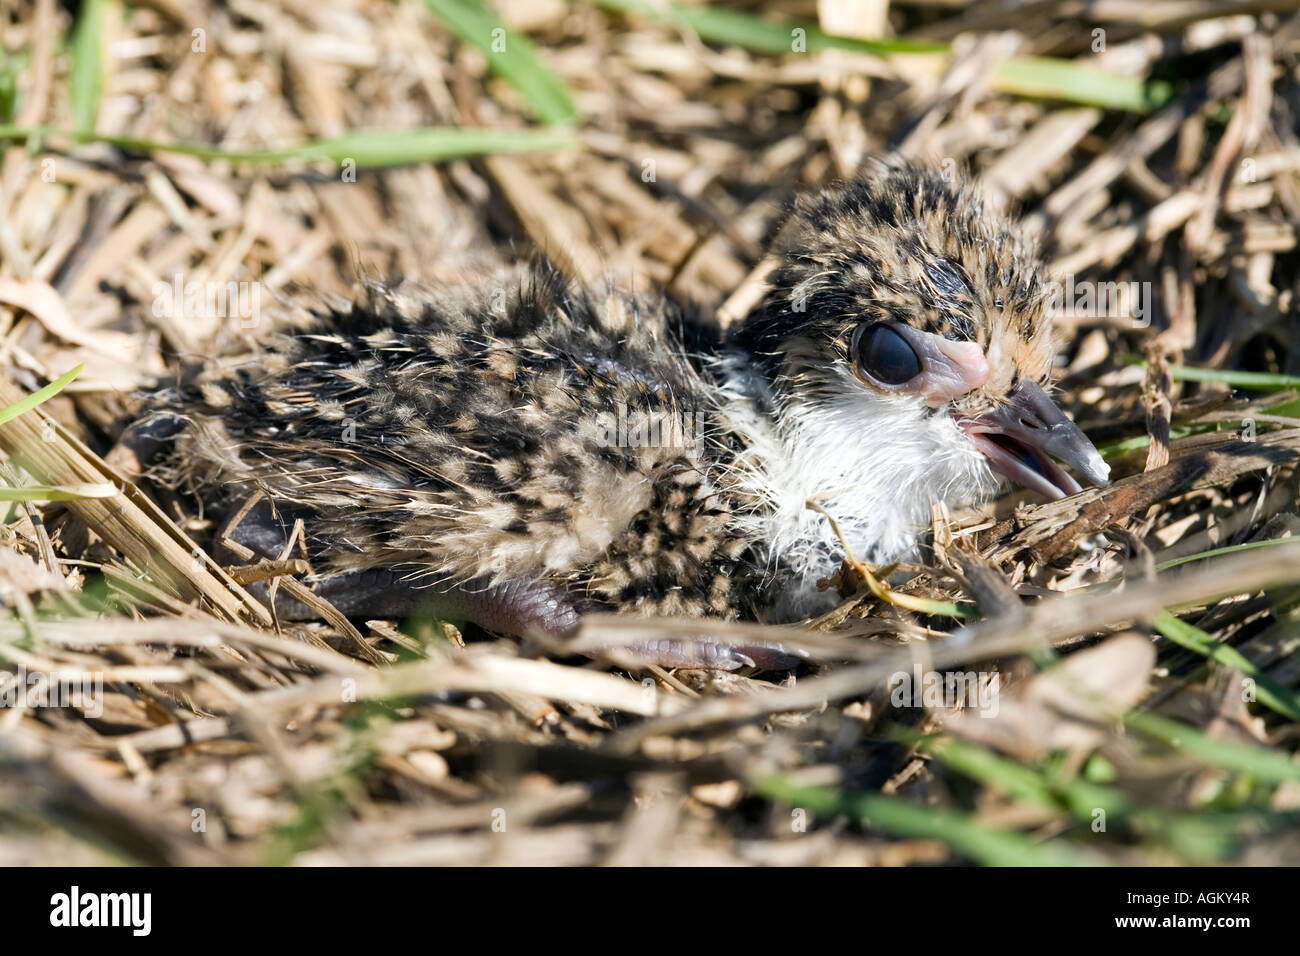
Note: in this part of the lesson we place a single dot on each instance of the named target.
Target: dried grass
(226, 737)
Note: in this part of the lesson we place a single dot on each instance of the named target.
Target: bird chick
(519, 450)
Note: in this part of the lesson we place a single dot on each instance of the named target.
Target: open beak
(1021, 438)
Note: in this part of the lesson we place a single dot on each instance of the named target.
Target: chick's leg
(706, 654)
(516, 608)
(520, 609)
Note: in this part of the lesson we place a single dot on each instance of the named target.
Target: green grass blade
(86, 83)
(944, 608)
(76, 492)
(35, 398)
(1260, 381)
(366, 148)
(1047, 78)
(1175, 433)
(393, 147)
(1202, 835)
(1269, 692)
(510, 55)
(1142, 441)
(1289, 409)
(1023, 76)
(1263, 381)
(760, 35)
(985, 844)
(12, 67)
(1231, 549)
(1268, 765)
(1019, 780)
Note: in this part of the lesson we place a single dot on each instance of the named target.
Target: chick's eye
(885, 355)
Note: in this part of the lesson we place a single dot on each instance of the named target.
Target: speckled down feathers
(472, 434)
(479, 433)
(905, 243)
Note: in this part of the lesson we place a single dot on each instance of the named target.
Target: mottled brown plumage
(902, 243)
(520, 449)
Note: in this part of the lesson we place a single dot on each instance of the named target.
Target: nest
(1129, 654)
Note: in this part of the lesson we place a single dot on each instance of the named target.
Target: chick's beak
(1021, 438)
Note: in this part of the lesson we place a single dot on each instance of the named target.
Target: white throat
(875, 463)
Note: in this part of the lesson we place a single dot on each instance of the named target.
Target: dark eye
(884, 354)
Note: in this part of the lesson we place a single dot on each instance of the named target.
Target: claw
(517, 608)
(702, 654)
